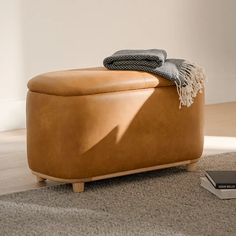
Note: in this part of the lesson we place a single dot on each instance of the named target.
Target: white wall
(58, 34)
(12, 79)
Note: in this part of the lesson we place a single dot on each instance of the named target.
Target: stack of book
(220, 183)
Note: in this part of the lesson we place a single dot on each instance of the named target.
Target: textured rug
(165, 202)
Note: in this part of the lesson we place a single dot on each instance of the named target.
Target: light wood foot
(78, 187)
(39, 179)
(192, 166)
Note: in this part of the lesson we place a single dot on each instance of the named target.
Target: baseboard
(12, 114)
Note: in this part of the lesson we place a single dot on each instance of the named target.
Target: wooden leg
(192, 167)
(78, 187)
(39, 179)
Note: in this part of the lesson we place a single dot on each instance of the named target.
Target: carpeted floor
(165, 202)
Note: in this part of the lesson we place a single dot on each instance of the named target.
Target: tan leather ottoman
(91, 124)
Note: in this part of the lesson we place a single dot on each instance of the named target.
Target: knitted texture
(188, 77)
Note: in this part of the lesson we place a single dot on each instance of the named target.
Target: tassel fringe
(194, 78)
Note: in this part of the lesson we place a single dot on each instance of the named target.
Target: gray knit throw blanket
(188, 77)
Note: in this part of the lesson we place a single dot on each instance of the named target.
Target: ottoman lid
(93, 81)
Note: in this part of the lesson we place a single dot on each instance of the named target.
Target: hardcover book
(220, 193)
(222, 179)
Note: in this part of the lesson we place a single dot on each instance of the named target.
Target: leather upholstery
(93, 80)
(132, 126)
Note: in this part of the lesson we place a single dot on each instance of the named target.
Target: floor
(220, 128)
(220, 136)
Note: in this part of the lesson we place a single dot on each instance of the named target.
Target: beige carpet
(166, 202)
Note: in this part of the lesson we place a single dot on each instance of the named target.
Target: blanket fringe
(194, 78)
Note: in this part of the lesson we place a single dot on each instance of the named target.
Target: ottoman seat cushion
(93, 81)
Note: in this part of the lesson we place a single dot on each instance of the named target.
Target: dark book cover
(222, 179)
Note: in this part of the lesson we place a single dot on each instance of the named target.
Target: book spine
(226, 186)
